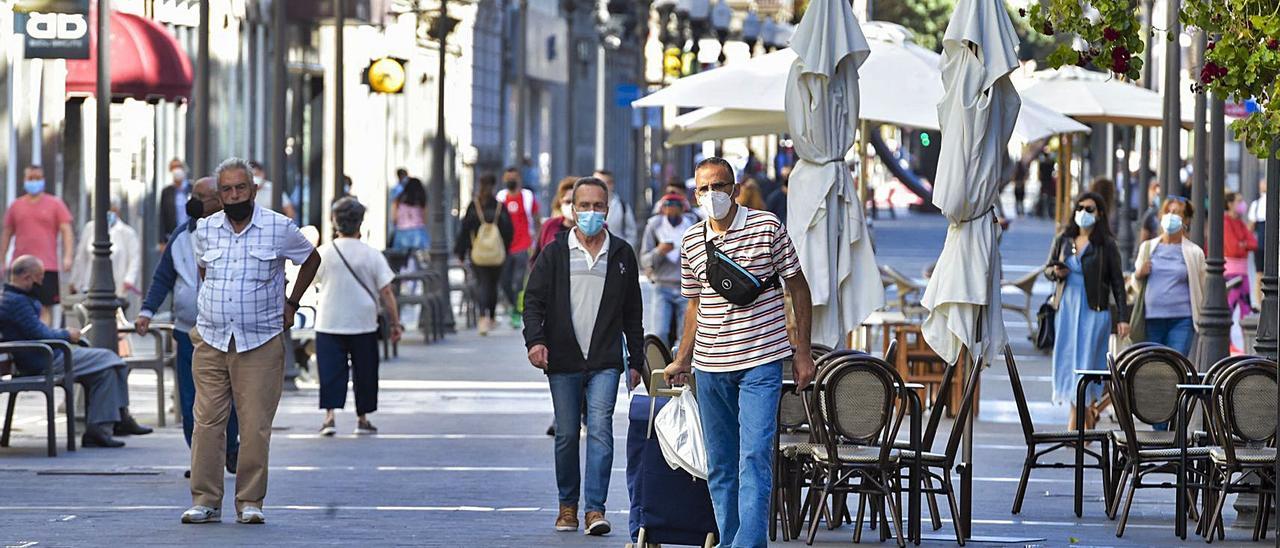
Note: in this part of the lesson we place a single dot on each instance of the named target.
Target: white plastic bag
(679, 429)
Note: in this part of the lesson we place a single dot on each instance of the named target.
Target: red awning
(146, 61)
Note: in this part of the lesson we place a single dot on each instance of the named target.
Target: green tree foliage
(926, 18)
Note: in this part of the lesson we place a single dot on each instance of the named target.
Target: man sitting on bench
(102, 373)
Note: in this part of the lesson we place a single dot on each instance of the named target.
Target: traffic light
(385, 75)
(925, 139)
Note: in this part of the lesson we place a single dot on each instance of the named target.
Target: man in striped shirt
(738, 350)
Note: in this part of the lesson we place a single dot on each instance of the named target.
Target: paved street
(462, 459)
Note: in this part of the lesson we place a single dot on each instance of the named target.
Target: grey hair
(348, 215)
(231, 164)
(23, 265)
(589, 181)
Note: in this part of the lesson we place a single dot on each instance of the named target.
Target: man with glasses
(737, 349)
(581, 302)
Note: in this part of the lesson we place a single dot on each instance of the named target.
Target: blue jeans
(599, 390)
(666, 302)
(187, 395)
(739, 417)
(1175, 333)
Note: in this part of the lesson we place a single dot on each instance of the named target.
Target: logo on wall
(53, 29)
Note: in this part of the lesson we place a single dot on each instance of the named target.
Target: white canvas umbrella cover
(977, 115)
(824, 213)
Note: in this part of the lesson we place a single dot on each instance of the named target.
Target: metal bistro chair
(656, 358)
(1054, 440)
(858, 416)
(793, 444)
(155, 361)
(1147, 439)
(1144, 389)
(1243, 409)
(45, 384)
(909, 291)
(1025, 287)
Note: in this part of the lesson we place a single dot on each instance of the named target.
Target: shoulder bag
(1047, 316)
(732, 281)
(384, 327)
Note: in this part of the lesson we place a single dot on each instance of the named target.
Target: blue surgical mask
(112, 218)
(1085, 219)
(1171, 223)
(590, 222)
(33, 187)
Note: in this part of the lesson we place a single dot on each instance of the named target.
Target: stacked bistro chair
(656, 357)
(1050, 441)
(793, 449)
(1144, 390)
(46, 384)
(155, 361)
(1242, 415)
(858, 404)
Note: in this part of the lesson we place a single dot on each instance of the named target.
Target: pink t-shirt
(408, 216)
(34, 224)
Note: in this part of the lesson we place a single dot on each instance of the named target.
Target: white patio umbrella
(977, 116)
(1095, 97)
(1035, 122)
(824, 213)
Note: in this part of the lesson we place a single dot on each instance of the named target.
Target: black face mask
(675, 221)
(195, 208)
(239, 212)
(512, 184)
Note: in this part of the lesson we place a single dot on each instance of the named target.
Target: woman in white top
(351, 277)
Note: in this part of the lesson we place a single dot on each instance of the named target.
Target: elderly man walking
(102, 373)
(239, 352)
(582, 302)
(177, 274)
(739, 334)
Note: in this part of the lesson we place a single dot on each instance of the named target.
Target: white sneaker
(251, 514)
(202, 514)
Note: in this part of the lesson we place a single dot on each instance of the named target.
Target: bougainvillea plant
(1103, 32)
(1242, 62)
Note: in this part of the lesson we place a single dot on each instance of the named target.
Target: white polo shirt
(586, 287)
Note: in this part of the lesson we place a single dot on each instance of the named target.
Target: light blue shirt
(1168, 290)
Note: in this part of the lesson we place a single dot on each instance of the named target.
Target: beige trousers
(254, 379)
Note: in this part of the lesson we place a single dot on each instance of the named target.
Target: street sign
(53, 29)
(1240, 110)
(624, 94)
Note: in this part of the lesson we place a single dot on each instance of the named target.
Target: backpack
(487, 247)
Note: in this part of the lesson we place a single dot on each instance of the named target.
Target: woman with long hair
(562, 221)
(483, 211)
(410, 213)
(1085, 265)
(1169, 272)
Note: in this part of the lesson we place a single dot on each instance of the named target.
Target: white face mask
(716, 204)
(1171, 223)
(1085, 219)
(566, 211)
(179, 174)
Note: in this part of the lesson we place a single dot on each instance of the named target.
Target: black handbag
(1048, 313)
(732, 281)
(384, 329)
(1045, 335)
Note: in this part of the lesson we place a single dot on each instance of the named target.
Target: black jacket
(548, 317)
(471, 224)
(1103, 274)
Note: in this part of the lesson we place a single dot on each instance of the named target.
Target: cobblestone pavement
(462, 459)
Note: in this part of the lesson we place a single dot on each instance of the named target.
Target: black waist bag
(732, 281)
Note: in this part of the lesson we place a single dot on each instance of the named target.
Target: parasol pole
(863, 174)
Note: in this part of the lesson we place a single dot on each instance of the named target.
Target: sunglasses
(1089, 209)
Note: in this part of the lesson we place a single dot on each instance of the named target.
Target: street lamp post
(200, 138)
(1215, 318)
(102, 302)
(276, 157)
(339, 96)
(1172, 137)
(1144, 154)
(1269, 327)
(1124, 229)
(1200, 174)
(440, 29)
